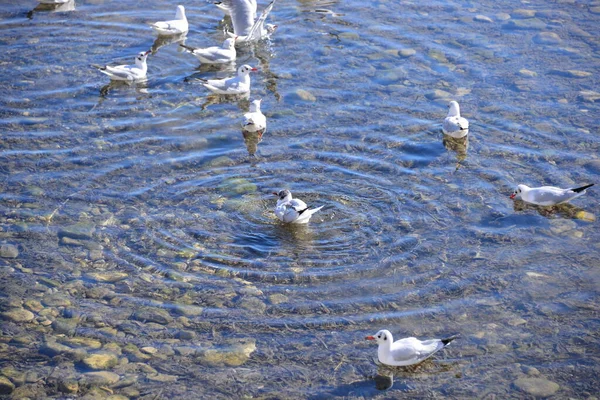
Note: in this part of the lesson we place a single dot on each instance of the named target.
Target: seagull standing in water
(239, 84)
(293, 211)
(454, 125)
(407, 351)
(255, 120)
(214, 54)
(127, 73)
(174, 27)
(246, 27)
(547, 195)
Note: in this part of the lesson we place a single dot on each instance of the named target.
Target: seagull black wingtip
(581, 189)
(446, 341)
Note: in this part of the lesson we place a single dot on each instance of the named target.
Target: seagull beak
(512, 196)
(254, 69)
(148, 52)
(276, 194)
(370, 337)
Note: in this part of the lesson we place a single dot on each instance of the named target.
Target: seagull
(128, 73)
(214, 54)
(293, 211)
(547, 195)
(53, 1)
(407, 351)
(243, 14)
(239, 84)
(255, 120)
(454, 125)
(174, 27)
(225, 8)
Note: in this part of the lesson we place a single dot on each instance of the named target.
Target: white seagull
(407, 351)
(454, 125)
(293, 211)
(243, 15)
(239, 84)
(225, 8)
(547, 195)
(255, 120)
(214, 54)
(128, 73)
(176, 26)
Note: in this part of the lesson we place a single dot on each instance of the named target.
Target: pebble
(438, 94)
(18, 315)
(277, 298)
(306, 95)
(572, 73)
(149, 350)
(233, 353)
(547, 38)
(6, 386)
(68, 385)
(80, 230)
(539, 387)
(100, 378)
(589, 96)
(253, 304)
(9, 251)
(108, 276)
(158, 316)
(407, 53)
(100, 361)
(162, 378)
(527, 73)
(483, 18)
(522, 13)
(525, 24)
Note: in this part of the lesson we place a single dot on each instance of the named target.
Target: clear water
(417, 236)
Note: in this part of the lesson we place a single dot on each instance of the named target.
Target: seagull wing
(242, 13)
(256, 30)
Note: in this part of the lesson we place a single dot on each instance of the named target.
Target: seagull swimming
(454, 125)
(128, 73)
(239, 84)
(547, 195)
(407, 351)
(255, 120)
(214, 55)
(293, 211)
(243, 14)
(176, 26)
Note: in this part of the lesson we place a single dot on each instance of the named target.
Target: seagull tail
(581, 189)
(190, 48)
(313, 210)
(100, 67)
(447, 340)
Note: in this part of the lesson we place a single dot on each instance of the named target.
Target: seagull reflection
(384, 382)
(162, 41)
(457, 145)
(566, 210)
(53, 6)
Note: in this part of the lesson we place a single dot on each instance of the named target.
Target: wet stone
(407, 53)
(9, 251)
(438, 94)
(64, 325)
(186, 335)
(277, 298)
(162, 378)
(233, 353)
(33, 305)
(525, 24)
(100, 361)
(18, 315)
(305, 95)
(187, 310)
(252, 304)
(483, 18)
(539, 387)
(522, 13)
(100, 378)
(6, 386)
(158, 316)
(68, 385)
(108, 276)
(81, 230)
(527, 73)
(56, 300)
(547, 38)
(591, 97)
(149, 350)
(572, 73)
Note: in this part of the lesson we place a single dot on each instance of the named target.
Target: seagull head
(245, 70)
(229, 43)
(518, 192)
(283, 194)
(270, 28)
(141, 58)
(381, 337)
(255, 105)
(180, 14)
(453, 109)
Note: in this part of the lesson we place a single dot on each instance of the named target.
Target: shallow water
(143, 218)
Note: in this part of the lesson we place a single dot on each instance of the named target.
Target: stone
(80, 230)
(18, 315)
(527, 73)
(407, 53)
(185, 350)
(572, 73)
(162, 378)
(33, 305)
(547, 38)
(525, 24)
(539, 387)
(79, 341)
(232, 353)
(56, 300)
(591, 97)
(438, 94)
(6, 386)
(117, 397)
(149, 350)
(100, 361)
(522, 13)
(9, 251)
(277, 298)
(100, 378)
(252, 303)
(68, 385)
(482, 18)
(107, 276)
(305, 95)
(158, 316)
(186, 335)
(65, 326)
(187, 310)
(585, 216)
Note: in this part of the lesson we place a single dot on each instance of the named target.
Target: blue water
(418, 234)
